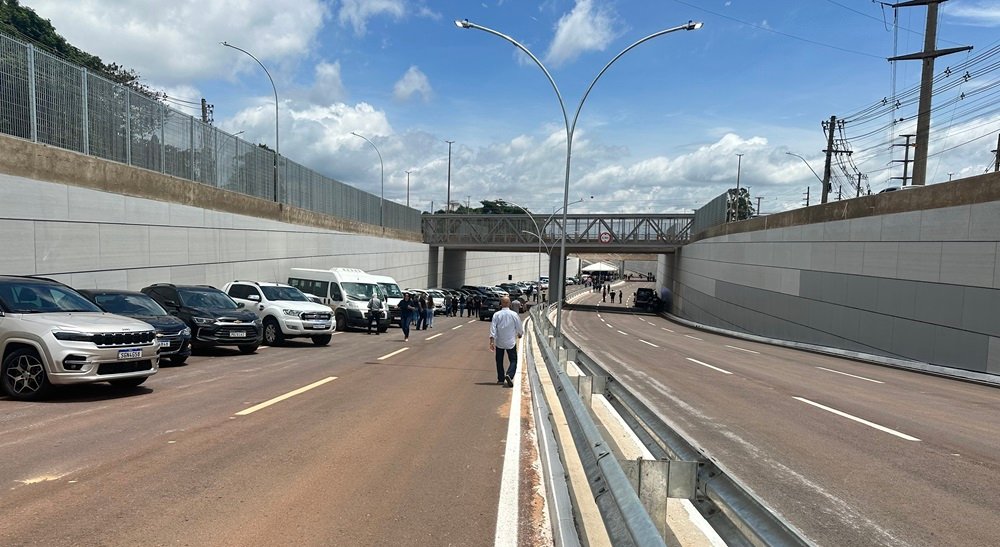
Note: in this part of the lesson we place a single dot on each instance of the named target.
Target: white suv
(50, 334)
(285, 311)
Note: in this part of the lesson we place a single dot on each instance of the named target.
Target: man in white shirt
(374, 312)
(505, 330)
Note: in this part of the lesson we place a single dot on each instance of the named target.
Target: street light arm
(548, 250)
(807, 165)
(381, 165)
(273, 87)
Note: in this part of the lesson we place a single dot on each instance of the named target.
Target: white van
(346, 290)
(392, 295)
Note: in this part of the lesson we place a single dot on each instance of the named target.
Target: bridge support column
(453, 269)
(556, 285)
(433, 272)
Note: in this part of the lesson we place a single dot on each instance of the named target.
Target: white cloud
(586, 28)
(328, 87)
(978, 14)
(413, 82)
(177, 41)
(357, 13)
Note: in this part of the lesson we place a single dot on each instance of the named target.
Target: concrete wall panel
(18, 237)
(969, 263)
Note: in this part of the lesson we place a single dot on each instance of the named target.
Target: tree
(740, 207)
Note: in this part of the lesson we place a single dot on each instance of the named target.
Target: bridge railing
(637, 230)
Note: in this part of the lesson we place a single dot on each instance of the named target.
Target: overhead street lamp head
(463, 23)
(692, 25)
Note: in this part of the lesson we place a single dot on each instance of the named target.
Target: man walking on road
(505, 330)
(405, 308)
(374, 312)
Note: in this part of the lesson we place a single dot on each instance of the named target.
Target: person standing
(461, 305)
(505, 330)
(374, 312)
(405, 308)
(620, 297)
(429, 321)
(420, 311)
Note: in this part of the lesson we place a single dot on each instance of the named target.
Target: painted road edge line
(708, 365)
(851, 375)
(508, 509)
(859, 420)
(397, 352)
(280, 398)
(649, 343)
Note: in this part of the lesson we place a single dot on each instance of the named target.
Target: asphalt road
(400, 450)
(850, 453)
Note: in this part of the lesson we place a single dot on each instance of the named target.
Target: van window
(317, 288)
(361, 291)
(335, 293)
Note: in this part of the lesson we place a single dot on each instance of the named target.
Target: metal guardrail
(734, 512)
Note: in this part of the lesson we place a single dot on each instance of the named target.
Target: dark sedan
(172, 334)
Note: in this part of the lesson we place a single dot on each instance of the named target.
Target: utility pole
(996, 156)
(758, 205)
(906, 158)
(408, 188)
(807, 196)
(840, 192)
(830, 151)
(859, 185)
(206, 111)
(927, 56)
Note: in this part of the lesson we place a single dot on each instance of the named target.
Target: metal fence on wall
(47, 100)
(711, 214)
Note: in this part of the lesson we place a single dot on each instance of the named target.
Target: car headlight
(203, 320)
(258, 322)
(70, 336)
(186, 331)
(291, 313)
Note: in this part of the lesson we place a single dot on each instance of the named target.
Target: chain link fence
(47, 100)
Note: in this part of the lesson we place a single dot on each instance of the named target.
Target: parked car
(50, 335)
(491, 305)
(644, 297)
(214, 318)
(284, 311)
(172, 334)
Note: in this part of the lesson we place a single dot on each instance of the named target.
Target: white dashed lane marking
(851, 375)
(692, 337)
(746, 350)
(697, 362)
(859, 420)
(649, 343)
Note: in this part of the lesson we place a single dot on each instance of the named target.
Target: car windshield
(361, 291)
(206, 299)
(283, 293)
(129, 304)
(28, 297)
(391, 290)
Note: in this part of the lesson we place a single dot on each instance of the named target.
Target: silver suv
(50, 334)
(285, 311)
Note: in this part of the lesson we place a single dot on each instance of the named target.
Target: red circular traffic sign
(605, 237)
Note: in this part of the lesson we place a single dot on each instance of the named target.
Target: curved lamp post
(570, 128)
(807, 165)
(277, 147)
(381, 203)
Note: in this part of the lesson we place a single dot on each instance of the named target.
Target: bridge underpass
(455, 235)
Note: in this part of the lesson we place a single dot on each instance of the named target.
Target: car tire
(23, 375)
(177, 361)
(248, 348)
(322, 340)
(272, 332)
(128, 382)
(341, 322)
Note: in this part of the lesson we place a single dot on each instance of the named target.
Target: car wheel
(341, 322)
(128, 382)
(322, 340)
(178, 360)
(272, 332)
(24, 375)
(248, 348)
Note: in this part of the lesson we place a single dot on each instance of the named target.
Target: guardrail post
(585, 387)
(656, 481)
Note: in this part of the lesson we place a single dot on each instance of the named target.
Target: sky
(669, 126)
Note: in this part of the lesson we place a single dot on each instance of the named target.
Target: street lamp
(215, 156)
(447, 206)
(277, 147)
(381, 202)
(570, 128)
(821, 183)
(538, 230)
(408, 188)
(739, 163)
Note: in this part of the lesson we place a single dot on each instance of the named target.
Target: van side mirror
(254, 297)
(239, 304)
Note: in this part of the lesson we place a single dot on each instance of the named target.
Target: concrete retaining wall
(913, 274)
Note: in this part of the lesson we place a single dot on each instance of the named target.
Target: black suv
(172, 334)
(490, 305)
(214, 318)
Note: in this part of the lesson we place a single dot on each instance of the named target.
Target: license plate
(129, 353)
(318, 326)
(238, 334)
(164, 343)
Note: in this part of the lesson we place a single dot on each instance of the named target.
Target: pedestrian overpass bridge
(585, 233)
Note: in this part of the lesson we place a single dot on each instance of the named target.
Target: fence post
(128, 124)
(31, 93)
(86, 115)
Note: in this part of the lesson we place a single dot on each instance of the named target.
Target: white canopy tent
(599, 267)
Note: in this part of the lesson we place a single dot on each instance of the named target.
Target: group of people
(606, 291)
